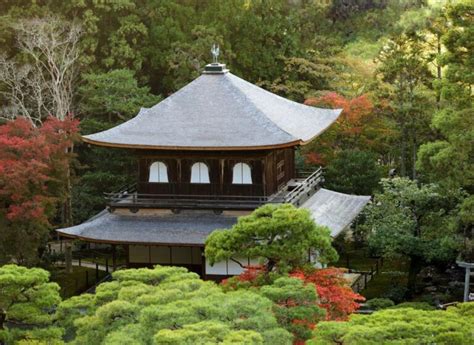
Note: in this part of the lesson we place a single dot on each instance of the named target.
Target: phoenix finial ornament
(215, 52)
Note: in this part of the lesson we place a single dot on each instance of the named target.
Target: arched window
(241, 174)
(199, 173)
(158, 172)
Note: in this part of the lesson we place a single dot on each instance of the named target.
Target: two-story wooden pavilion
(216, 149)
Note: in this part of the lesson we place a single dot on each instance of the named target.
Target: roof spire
(215, 52)
(215, 67)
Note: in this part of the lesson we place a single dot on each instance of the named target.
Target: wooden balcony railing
(305, 189)
(210, 196)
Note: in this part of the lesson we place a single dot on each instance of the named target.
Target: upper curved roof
(219, 111)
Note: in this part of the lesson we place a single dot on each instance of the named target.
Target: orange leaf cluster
(355, 127)
(334, 293)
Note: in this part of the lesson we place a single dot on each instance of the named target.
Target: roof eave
(305, 142)
(191, 148)
(95, 240)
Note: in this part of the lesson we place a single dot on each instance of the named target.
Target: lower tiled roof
(332, 209)
(335, 210)
(186, 228)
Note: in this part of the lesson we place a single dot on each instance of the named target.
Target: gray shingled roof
(187, 228)
(335, 210)
(219, 111)
(332, 209)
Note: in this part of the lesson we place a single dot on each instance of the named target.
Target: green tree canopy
(283, 236)
(416, 221)
(295, 305)
(449, 159)
(114, 96)
(406, 76)
(27, 302)
(401, 326)
(168, 305)
(353, 172)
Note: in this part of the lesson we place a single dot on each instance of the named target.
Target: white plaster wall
(229, 267)
(234, 268)
(219, 268)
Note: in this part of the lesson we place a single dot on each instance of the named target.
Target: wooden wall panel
(270, 169)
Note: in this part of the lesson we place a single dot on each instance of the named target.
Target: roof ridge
(288, 102)
(260, 111)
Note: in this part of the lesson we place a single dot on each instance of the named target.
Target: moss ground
(392, 273)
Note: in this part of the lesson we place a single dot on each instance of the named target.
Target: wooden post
(106, 265)
(114, 257)
(203, 264)
(467, 278)
(127, 249)
(68, 257)
(221, 163)
(96, 272)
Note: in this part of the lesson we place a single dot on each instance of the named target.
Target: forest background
(402, 70)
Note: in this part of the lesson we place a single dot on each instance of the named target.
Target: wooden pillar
(203, 264)
(178, 166)
(68, 257)
(127, 249)
(114, 257)
(222, 170)
(467, 279)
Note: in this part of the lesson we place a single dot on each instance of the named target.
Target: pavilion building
(216, 149)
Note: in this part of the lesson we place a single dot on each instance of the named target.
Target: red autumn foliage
(249, 277)
(33, 162)
(334, 293)
(354, 111)
(251, 273)
(351, 129)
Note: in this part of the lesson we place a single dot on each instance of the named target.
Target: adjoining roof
(332, 209)
(335, 210)
(219, 111)
(187, 228)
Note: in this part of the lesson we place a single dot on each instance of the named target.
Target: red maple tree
(34, 162)
(334, 293)
(356, 127)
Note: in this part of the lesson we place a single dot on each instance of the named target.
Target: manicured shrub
(379, 303)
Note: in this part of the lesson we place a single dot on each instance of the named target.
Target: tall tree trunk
(403, 154)
(3, 318)
(438, 72)
(414, 151)
(66, 211)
